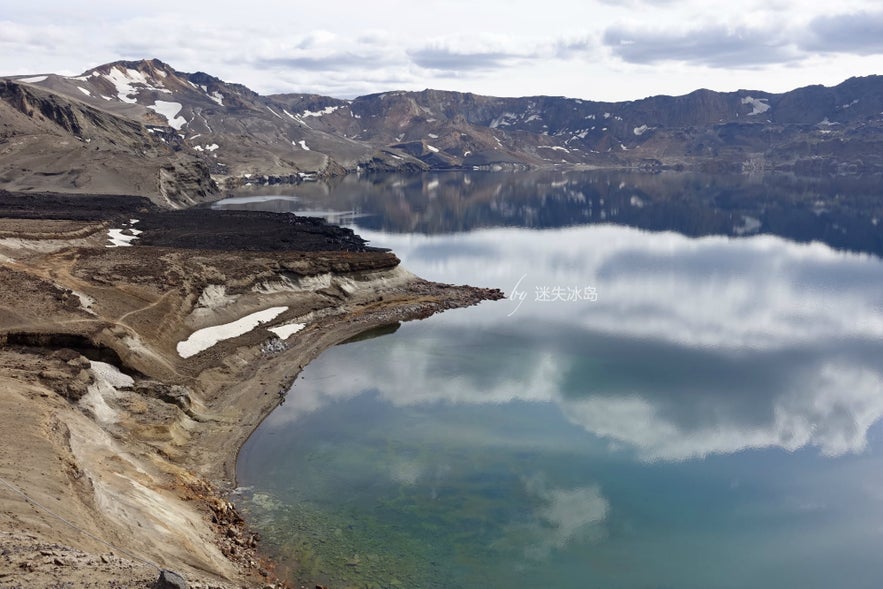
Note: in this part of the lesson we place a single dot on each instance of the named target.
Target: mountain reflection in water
(843, 212)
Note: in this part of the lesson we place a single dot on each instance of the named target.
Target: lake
(683, 389)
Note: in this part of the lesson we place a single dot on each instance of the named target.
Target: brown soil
(140, 468)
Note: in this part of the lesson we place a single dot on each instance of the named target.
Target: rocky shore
(116, 452)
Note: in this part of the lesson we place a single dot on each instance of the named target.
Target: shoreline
(147, 440)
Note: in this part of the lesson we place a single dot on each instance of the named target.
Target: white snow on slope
(123, 84)
(111, 375)
(303, 145)
(34, 80)
(504, 120)
(318, 113)
(84, 91)
(125, 81)
(640, 130)
(759, 105)
(107, 382)
(432, 149)
(170, 111)
(217, 97)
(286, 331)
(274, 112)
(118, 239)
(203, 339)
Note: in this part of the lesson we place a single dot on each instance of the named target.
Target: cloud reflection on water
(694, 347)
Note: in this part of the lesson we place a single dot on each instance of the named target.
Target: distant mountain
(142, 127)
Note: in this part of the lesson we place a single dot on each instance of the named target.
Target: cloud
(323, 51)
(20, 37)
(715, 46)
(632, 3)
(445, 59)
(860, 33)
(566, 515)
(324, 63)
(568, 47)
(458, 54)
(753, 351)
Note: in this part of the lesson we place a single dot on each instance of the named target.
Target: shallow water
(648, 409)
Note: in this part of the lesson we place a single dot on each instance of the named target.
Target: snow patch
(287, 330)
(318, 113)
(108, 379)
(759, 105)
(432, 149)
(34, 80)
(640, 130)
(111, 375)
(84, 91)
(170, 111)
(123, 84)
(125, 80)
(118, 239)
(303, 145)
(217, 97)
(432, 136)
(274, 112)
(504, 120)
(205, 338)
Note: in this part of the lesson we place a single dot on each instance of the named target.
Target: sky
(591, 49)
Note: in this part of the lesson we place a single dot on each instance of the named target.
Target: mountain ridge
(228, 134)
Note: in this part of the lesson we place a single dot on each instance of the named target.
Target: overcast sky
(591, 49)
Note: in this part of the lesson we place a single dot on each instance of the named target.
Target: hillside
(144, 128)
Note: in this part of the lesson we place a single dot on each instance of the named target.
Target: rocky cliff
(49, 141)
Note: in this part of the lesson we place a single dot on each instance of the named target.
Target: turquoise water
(647, 410)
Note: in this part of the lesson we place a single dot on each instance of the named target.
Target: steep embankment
(51, 142)
(116, 424)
